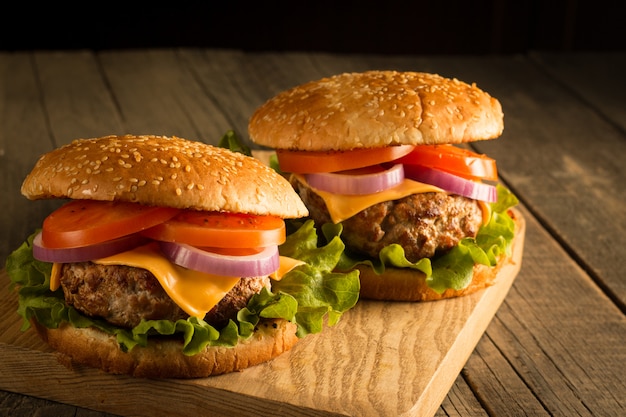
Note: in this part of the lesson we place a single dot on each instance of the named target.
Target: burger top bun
(376, 109)
(162, 171)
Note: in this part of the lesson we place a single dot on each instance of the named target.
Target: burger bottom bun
(403, 284)
(163, 358)
(397, 284)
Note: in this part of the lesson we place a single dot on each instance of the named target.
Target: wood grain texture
(382, 359)
(555, 346)
(597, 79)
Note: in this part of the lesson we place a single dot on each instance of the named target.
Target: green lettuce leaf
(453, 269)
(231, 141)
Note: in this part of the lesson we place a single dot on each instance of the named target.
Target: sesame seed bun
(162, 171)
(376, 109)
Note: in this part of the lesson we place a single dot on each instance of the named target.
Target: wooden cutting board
(382, 359)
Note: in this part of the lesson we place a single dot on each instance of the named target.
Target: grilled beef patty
(123, 295)
(423, 224)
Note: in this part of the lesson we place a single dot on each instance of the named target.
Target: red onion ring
(357, 184)
(452, 183)
(85, 253)
(259, 264)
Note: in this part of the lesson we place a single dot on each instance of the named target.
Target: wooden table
(557, 344)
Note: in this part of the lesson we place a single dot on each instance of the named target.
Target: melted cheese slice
(195, 292)
(55, 276)
(343, 206)
(285, 265)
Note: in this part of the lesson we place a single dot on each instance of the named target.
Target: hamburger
(380, 159)
(170, 258)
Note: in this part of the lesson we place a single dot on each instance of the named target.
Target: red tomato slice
(307, 162)
(87, 222)
(222, 230)
(454, 160)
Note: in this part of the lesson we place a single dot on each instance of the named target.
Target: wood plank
(51, 99)
(461, 402)
(555, 336)
(157, 94)
(23, 125)
(228, 78)
(358, 367)
(596, 77)
(563, 158)
(16, 405)
(76, 97)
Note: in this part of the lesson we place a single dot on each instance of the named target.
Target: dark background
(385, 27)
